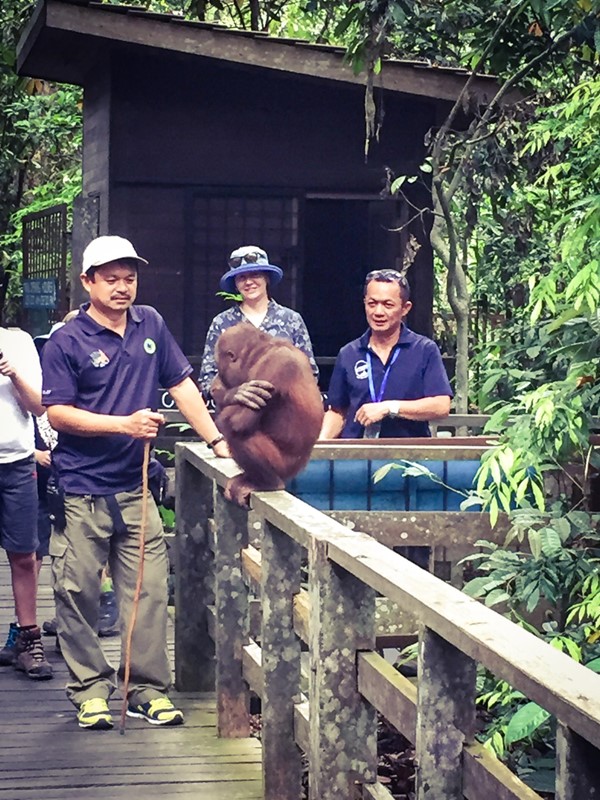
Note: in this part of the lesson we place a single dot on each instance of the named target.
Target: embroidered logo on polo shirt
(361, 370)
(99, 358)
(150, 346)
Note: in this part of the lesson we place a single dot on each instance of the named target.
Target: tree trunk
(461, 396)
(445, 243)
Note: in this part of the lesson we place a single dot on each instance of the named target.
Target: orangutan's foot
(239, 489)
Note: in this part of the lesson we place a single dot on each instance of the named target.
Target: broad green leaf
(397, 183)
(496, 596)
(563, 527)
(535, 543)
(538, 495)
(525, 722)
(380, 473)
(550, 541)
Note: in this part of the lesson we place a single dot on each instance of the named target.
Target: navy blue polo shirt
(417, 372)
(93, 368)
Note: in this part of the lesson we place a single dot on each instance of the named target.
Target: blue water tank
(348, 485)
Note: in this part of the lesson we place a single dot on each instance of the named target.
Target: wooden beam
(231, 601)
(252, 664)
(252, 566)
(445, 717)
(568, 690)
(302, 725)
(485, 776)
(395, 697)
(375, 791)
(283, 55)
(302, 615)
(577, 767)
(281, 651)
(194, 591)
(469, 448)
(424, 528)
(343, 742)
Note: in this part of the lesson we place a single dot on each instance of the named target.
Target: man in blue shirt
(101, 373)
(389, 382)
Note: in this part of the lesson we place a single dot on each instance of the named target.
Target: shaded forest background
(515, 205)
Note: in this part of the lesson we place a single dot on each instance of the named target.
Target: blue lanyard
(377, 398)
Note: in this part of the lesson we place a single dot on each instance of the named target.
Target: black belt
(118, 522)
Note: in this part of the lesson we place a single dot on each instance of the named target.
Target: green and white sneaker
(159, 711)
(94, 714)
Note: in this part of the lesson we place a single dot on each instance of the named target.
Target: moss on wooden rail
(346, 568)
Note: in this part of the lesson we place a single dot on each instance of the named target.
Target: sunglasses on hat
(247, 258)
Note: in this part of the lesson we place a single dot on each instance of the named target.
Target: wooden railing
(218, 573)
(474, 422)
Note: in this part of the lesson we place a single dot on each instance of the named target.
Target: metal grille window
(218, 226)
(45, 253)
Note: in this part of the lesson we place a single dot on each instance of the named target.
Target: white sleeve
(27, 361)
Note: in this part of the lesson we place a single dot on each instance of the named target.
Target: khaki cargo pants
(79, 553)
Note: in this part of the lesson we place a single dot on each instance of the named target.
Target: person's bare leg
(24, 585)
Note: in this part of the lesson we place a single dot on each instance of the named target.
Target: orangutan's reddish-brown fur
(271, 444)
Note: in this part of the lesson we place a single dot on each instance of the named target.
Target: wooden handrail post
(231, 606)
(445, 716)
(577, 767)
(194, 647)
(281, 651)
(343, 725)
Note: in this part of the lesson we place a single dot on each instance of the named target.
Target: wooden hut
(199, 138)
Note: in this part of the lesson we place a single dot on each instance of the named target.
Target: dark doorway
(343, 240)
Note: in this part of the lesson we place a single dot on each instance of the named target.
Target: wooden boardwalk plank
(45, 754)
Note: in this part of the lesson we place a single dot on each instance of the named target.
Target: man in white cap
(101, 375)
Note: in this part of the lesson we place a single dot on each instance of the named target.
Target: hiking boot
(50, 627)
(94, 714)
(108, 618)
(29, 654)
(159, 711)
(7, 654)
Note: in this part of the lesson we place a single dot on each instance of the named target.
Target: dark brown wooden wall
(196, 121)
(164, 131)
(97, 139)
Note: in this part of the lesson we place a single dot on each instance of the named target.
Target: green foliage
(230, 297)
(514, 724)
(541, 233)
(560, 559)
(167, 516)
(588, 609)
(40, 146)
(525, 722)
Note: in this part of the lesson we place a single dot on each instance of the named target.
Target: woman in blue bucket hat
(250, 275)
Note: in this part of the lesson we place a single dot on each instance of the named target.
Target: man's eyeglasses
(248, 258)
(387, 275)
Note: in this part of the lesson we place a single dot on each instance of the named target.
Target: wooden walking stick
(138, 585)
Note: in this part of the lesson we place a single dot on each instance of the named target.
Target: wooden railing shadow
(219, 572)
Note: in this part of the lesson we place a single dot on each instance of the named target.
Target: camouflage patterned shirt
(279, 321)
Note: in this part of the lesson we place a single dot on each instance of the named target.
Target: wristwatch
(394, 406)
(215, 441)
